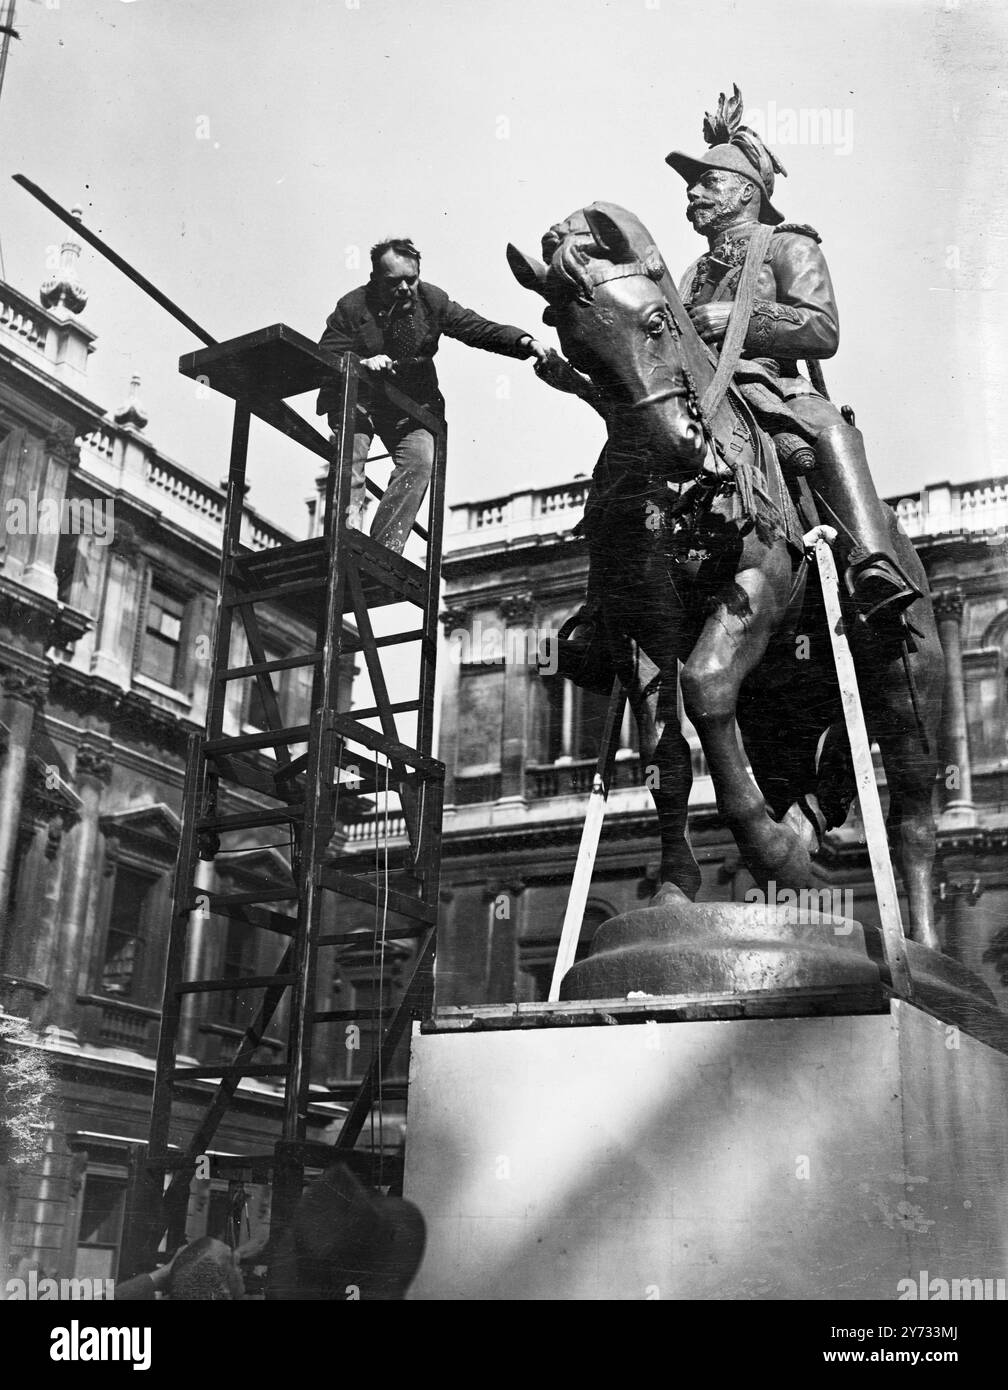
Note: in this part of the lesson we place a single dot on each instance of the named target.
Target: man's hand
(536, 349)
(557, 372)
(380, 363)
(711, 320)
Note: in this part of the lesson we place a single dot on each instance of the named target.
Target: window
(159, 652)
(124, 941)
(100, 1229)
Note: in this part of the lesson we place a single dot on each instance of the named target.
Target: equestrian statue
(720, 457)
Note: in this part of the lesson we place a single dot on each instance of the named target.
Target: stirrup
(880, 590)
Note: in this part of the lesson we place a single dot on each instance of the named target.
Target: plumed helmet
(736, 148)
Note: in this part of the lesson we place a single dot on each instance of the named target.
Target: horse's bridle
(652, 268)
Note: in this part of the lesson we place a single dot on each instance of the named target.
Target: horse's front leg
(666, 763)
(732, 643)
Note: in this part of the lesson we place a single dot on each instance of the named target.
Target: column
(73, 948)
(955, 772)
(453, 620)
(25, 694)
(188, 1045)
(60, 454)
(502, 895)
(959, 895)
(520, 649)
(113, 655)
(567, 723)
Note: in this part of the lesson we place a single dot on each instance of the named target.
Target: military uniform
(794, 318)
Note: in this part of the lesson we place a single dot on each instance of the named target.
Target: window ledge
(166, 692)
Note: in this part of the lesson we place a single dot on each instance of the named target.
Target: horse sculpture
(696, 544)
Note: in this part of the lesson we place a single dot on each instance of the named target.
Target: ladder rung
(259, 895)
(277, 591)
(364, 934)
(259, 917)
(391, 570)
(248, 820)
(392, 749)
(250, 778)
(234, 985)
(216, 1073)
(399, 707)
(292, 768)
(350, 1015)
(296, 733)
(283, 663)
(413, 634)
(391, 1090)
(361, 888)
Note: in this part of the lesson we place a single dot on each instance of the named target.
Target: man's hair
(401, 245)
(197, 1274)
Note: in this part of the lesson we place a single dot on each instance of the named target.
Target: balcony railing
(118, 1023)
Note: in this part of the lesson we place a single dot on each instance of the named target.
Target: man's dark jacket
(354, 326)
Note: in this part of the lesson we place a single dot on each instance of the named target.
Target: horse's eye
(656, 325)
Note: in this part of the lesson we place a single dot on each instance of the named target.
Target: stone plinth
(826, 1157)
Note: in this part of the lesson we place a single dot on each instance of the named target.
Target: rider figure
(794, 316)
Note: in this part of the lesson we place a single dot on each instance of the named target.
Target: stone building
(520, 749)
(109, 559)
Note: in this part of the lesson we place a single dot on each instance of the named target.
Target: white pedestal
(794, 1158)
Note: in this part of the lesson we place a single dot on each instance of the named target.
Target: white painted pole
(820, 539)
(591, 833)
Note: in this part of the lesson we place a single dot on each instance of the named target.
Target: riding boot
(875, 581)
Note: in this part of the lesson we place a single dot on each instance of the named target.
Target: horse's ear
(609, 234)
(527, 270)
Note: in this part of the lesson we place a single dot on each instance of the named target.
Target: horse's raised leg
(732, 643)
(668, 773)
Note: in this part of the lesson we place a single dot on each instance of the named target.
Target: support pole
(590, 835)
(820, 539)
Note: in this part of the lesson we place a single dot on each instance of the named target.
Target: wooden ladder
(337, 753)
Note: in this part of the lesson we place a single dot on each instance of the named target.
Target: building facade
(109, 557)
(520, 749)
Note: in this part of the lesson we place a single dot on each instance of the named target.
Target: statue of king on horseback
(720, 457)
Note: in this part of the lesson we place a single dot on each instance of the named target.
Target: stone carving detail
(454, 619)
(93, 762)
(948, 603)
(61, 442)
(22, 685)
(517, 608)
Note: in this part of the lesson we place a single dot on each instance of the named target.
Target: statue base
(746, 948)
(588, 1151)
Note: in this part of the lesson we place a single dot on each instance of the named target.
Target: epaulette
(802, 229)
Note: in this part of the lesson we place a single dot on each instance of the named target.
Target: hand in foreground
(380, 363)
(711, 320)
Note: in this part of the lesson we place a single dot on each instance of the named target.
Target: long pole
(591, 833)
(277, 413)
(820, 539)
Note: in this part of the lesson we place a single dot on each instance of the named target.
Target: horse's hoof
(667, 893)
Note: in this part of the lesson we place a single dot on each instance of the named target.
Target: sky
(245, 153)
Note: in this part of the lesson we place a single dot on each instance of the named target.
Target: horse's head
(621, 322)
